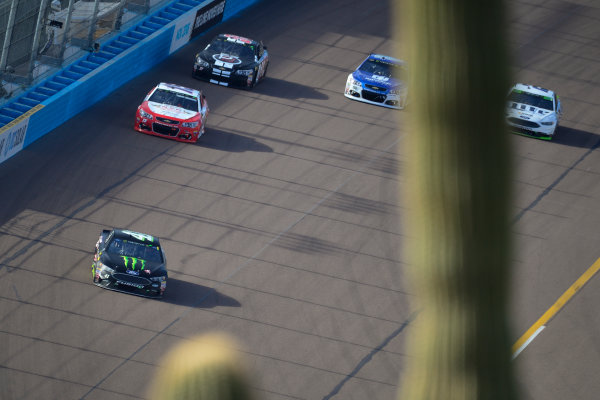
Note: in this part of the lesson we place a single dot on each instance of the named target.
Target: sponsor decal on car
(140, 236)
(227, 59)
(135, 285)
(134, 262)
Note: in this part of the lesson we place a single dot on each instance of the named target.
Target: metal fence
(37, 37)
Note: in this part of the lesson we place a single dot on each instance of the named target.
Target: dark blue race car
(378, 80)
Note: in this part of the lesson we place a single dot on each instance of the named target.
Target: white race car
(533, 111)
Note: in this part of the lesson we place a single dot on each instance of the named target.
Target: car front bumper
(173, 132)
(153, 290)
(530, 128)
(356, 91)
(222, 77)
(126, 283)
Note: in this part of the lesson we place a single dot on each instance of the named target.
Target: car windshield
(237, 49)
(128, 248)
(176, 99)
(519, 96)
(382, 68)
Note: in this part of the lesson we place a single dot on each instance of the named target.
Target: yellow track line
(562, 300)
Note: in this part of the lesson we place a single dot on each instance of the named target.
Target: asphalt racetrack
(283, 226)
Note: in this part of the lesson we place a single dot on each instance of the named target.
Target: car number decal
(226, 60)
(380, 78)
(140, 236)
(237, 39)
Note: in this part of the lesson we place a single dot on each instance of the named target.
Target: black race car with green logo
(130, 262)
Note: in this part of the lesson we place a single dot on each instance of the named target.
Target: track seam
(242, 266)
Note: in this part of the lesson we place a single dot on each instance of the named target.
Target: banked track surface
(282, 227)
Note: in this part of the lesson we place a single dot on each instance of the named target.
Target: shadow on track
(218, 139)
(576, 138)
(287, 90)
(189, 294)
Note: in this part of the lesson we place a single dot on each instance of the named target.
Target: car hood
(132, 265)
(526, 111)
(170, 111)
(377, 80)
(227, 61)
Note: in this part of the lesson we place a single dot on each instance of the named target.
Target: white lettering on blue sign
(183, 31)
(208, 15)
(12, 139)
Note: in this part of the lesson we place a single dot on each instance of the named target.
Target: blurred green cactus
(458, 195)
(207, 368)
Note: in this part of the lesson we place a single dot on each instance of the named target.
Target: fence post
(8, 36)
(117, 22)
(36, 39)
(92, 30)
(67, 30)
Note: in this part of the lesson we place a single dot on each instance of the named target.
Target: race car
(533, 111)
(231, 60)
(131, 262)
(173, 112)
(378, 80)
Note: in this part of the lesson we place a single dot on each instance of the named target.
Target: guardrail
(38, 37)
(92, 77)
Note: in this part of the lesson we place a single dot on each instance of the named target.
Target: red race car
(173, 112)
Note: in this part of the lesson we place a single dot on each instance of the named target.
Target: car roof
(178, 89)
(539, 91)
(241, 38)
(136, 236)
(383, 57)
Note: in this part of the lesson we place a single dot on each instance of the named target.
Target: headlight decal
(201, 62)
(356, 84)
(146, 115)
(244, 72)
(548, 120)
(105, 271)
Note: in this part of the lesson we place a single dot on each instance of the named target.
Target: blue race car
(378, 80)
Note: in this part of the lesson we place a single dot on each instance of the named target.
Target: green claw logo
(134, 262)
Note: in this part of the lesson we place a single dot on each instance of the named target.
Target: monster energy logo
(134, 262)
